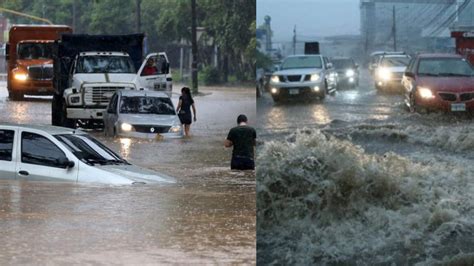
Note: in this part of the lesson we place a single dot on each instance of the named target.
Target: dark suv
(347, 71)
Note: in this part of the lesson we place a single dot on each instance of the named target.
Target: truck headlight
(20, 76)
(425, 93)
(75, 99)
(314, 77)
(350, 73)
(175, 129)
(126, 127)
(384, 74)
(275, 79)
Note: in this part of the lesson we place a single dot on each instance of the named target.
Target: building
(411, 25)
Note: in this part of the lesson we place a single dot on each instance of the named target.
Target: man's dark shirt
(243, 139)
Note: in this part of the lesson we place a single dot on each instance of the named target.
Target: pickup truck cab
(35, 152)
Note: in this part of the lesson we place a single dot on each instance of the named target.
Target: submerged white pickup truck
(86, 78)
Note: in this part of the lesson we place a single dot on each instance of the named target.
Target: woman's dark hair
(187, 92)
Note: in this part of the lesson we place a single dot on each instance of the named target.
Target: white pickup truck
(95, 76)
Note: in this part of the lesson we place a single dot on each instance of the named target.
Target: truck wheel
(15, 96)
(66, 122)
(56, 110)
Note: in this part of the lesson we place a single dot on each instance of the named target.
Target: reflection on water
(125, 147)
(321, 115)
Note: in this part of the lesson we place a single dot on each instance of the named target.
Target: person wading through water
(242, 138)
(184, 109)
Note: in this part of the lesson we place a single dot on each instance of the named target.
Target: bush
(209, 75)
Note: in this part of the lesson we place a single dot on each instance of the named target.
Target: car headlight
(425, 93)
(350, 73)
(275, 79)
(175, 129)
(384, 74)
(75, 99)
(126, 127)
(314, 77)
(274, 90)
(21, 77)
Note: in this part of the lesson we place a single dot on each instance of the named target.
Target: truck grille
(466, 97)
(294, 78)
(148, 128)
(99, 95)
(41, 72)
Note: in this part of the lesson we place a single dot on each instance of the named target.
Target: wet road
(208, 216)
(363, 140)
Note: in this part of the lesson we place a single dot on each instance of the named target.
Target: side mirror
(64, 162)
(356, 66)
(373, 66)
(329, 65)
(410, 74)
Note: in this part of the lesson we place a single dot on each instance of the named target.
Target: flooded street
(208, 216)
(367, 181)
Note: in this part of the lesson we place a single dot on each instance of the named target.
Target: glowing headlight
(126, 127)
(384, 74)
(175, 129)
(314, 77)
(275, 79)
(21, 77)
(425, 93)
(274, 90)
(316, 89)
(350, 73)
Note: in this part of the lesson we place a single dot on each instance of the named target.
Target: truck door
(154, 74)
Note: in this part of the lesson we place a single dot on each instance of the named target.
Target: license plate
(294, 91)
(42, 90)
(458, 107)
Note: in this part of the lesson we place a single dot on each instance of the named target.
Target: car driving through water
(389, 71)
(35, 152)
(142, 114)
(439, 81)
(308, 76)
(347, 72)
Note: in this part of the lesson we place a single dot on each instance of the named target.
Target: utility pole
(194, 74)
(294, 40)
(394, 30)
(74, 16)
(138, 13)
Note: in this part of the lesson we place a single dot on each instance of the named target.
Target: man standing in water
(242, 138)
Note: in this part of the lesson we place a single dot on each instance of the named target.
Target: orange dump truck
(29, 59)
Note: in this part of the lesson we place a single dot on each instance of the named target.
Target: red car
(439, 81)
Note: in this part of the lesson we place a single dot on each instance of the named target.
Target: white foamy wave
(324, 200)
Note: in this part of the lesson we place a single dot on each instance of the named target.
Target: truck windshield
(302, 62)
(104, 64)
(35, 51)
(146, 105)
(89, 150)
(445, 67)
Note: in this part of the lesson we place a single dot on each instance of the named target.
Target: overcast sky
(311, 17)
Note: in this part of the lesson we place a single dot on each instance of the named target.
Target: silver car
(36, 152)
(142, 114)
(303, 76)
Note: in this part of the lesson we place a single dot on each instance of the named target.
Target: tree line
(228, 24)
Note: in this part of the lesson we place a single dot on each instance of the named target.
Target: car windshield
(146, 105)
(89, 150)
(342, 63)
(35, 50)
(395, 61)
(104, 64)
(302, 62)
(445, 67)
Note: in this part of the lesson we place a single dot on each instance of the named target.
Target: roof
(53, 130)
(385, 52)
(149, 93)
(438, 55)
(305, 55)
(104, 53)
(396, 55)
(38, 26)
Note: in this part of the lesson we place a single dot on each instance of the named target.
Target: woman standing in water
(184, 109)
